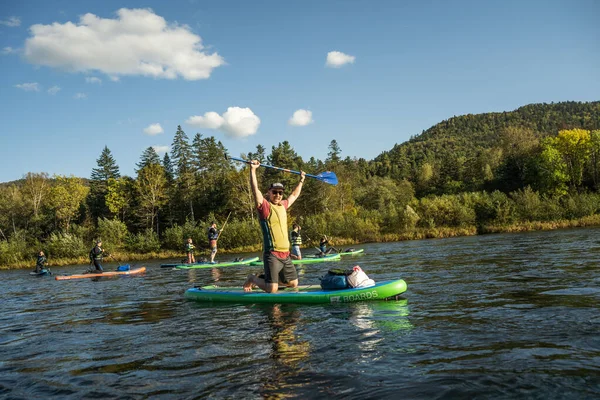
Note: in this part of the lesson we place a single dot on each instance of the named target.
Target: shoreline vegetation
(416, 234)
(534, 168)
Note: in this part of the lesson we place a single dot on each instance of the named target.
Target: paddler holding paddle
(272, 212)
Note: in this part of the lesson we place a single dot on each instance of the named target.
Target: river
(499, 316)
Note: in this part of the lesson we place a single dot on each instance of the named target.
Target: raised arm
(258, 197)
(294, 195)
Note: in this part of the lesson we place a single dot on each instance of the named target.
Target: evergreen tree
(333, 157)
(259, 155)
(149, 156)
(107, 168)
(168, 166)
(181, 156)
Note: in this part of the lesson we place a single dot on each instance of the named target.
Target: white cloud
(29, 87)
(8, 50)
(11, 21)
(301, 118)
(93, 79)
(236, 122)
(336, 59)
(54, 89)
(153, 129)
(79, 96)
(161, 149)
(136, 42)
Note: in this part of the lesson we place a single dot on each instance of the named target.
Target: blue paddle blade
(328, 177)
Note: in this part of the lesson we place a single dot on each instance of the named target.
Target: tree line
(474, 173)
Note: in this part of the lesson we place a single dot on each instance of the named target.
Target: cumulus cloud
(54, 89)
(153, 129)
(11, 21)
(236, 122)
(336, 59)
(93, 79)
(29, 87)
(136, 42)
(161, 149)
(80, 96)
(301, 118)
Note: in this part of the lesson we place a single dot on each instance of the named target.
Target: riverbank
(414, 234)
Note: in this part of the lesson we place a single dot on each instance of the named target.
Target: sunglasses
(278, 192)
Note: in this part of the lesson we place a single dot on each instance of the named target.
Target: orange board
(108, 273)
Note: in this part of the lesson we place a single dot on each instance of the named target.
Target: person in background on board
(272, 214)
(96, 256)
(40, 263)
(213, 236)
(323, 246)
(189, 249)
(296, 239)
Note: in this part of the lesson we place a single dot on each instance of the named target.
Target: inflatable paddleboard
(136, 271)
(312, 294)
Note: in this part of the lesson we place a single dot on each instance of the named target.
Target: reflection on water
(495, 316)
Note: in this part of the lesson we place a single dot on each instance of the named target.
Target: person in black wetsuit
(40, 263)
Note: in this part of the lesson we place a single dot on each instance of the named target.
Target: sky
(76, 76)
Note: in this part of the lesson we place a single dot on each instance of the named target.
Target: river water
(489, 317)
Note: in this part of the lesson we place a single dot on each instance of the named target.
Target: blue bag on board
(335, 279)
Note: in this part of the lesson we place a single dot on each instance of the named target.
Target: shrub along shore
(122, 256)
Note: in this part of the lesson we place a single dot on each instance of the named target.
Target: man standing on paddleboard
(272, 213)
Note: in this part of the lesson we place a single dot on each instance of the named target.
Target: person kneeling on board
(272, 213)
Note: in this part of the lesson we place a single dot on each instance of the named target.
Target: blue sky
(80, 75)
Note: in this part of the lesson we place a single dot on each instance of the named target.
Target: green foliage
(16, 249)
(528, 204)
(175, 236)
(143, 242)
(445, 211)
(239, 234)
(581, 205)
(492, 208)
(112, 232)
(65, 245)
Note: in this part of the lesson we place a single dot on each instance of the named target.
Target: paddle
(327, 176)
(223, 227)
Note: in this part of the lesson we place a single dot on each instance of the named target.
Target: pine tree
(333, 157)
(181, 155)
(149, 156)
(107, 168)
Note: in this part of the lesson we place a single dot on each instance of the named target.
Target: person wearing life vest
(296, 240)
(96, 255)
(189, 249)
(272, 214)
(213, 236)
(40, 263)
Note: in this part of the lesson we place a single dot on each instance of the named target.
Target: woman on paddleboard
(272, 213)
(213, 236)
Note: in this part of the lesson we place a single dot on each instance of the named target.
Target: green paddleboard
(306, 260)
(247, 261)
(351, 253)
(312, 294)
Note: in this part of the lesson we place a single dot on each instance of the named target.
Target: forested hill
(466, 141)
